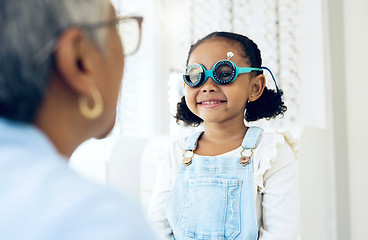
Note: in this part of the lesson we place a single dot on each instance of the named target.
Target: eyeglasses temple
(277, 88)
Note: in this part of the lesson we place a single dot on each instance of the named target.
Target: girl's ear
(257, 86)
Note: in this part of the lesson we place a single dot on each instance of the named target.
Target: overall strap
(191, 142)
(252, 137)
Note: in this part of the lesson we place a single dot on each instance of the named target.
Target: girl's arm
(160, 194)
(281, 204)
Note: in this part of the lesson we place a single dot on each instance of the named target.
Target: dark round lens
(193, 74)
(224, 72)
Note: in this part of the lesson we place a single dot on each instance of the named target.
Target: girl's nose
(209, 85)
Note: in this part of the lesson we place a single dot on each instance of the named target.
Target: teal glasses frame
(202, 77)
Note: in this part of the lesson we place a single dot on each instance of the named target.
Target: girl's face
(212, 102)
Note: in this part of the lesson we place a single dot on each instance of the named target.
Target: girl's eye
(224, 75)
(224, 72)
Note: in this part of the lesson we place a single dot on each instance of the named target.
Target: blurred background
(316, 49)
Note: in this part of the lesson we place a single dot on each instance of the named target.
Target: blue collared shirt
(42, 198)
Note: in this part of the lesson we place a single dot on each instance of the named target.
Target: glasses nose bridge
(209, 74)
(209, 84)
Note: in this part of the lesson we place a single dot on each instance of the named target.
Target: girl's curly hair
(268, 105)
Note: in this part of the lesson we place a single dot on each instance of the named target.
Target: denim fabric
(213, 197)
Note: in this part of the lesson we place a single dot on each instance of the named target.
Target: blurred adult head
(61, 65)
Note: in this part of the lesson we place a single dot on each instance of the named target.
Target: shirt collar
(26, 136)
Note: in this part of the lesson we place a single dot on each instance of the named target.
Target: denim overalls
(213, 197)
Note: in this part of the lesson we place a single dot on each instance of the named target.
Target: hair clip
(229, 55)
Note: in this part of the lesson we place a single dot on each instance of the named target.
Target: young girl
(230, 181)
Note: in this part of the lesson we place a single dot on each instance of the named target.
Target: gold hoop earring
(96, 109)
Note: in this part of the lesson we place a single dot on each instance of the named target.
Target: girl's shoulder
(163, 150)
(271, 142)
(276, 150)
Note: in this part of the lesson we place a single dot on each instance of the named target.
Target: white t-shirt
(276, 186)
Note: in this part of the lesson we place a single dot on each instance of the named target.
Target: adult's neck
(59, 118)
(56, 128)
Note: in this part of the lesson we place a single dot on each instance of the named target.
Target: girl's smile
(210, 103)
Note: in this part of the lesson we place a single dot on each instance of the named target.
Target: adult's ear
(257, 86)
(75, 59)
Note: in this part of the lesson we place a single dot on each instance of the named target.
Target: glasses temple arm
(277, 88)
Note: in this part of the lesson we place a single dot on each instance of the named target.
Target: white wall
(317, 186)
(346, 38)
(356, 54)
(332, 157)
